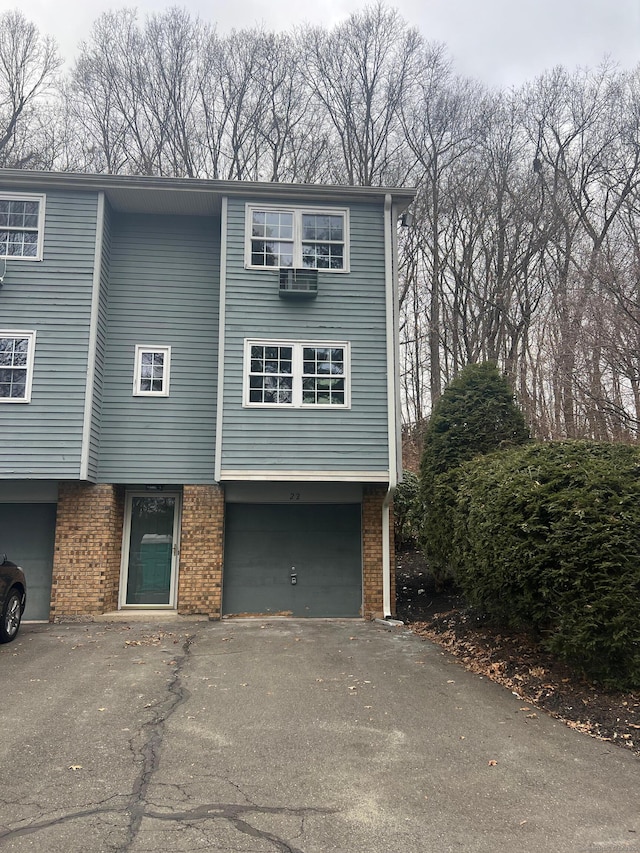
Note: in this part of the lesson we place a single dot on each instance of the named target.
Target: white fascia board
(140, 192)
(305, 476)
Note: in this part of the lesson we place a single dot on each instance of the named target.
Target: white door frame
(175, 551)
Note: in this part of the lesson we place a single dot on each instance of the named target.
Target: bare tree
(440, 123)
(28, 66)
(359, 73)
(588, 157)
(294, 141)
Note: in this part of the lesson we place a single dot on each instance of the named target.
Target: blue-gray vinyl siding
(163, 290)
(43, 438)
(349, 307)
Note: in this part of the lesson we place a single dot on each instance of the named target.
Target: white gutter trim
(390, 291)
(93, 342)
(164, 184)
(221, 339)
(290, 475)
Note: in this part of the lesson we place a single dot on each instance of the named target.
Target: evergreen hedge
(405, 511)
(548, 536)
(476, 414)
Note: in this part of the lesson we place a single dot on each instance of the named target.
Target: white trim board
(306, 476)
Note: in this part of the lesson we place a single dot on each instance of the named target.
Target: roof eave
(116, 185)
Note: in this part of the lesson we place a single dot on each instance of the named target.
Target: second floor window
(16, 366)
(151, 376)
(297, 374)
(21, 220)
(297, 238)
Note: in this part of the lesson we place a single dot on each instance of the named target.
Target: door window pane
(150, 550)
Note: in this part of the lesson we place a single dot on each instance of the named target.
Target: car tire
(11, 616)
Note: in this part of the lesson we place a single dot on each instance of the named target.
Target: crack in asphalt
(150, 750)
(137, 806)
(10, 834)
(233, 813)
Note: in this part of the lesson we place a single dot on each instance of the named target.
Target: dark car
(13, 597)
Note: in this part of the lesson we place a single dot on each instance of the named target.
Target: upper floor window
(21, 226)
(16, 366)
(297, 238)
(297, 374)
(151, 376)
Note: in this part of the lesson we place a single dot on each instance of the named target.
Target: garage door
(303, 560)
(27, 533)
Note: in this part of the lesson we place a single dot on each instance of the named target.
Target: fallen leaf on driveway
(75, 767)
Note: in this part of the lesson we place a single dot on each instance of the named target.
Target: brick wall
(201, 551)
(87, 557)
(87, 554)
(372, 500)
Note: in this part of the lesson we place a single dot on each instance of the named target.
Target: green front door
(301, 560)
(151, 551)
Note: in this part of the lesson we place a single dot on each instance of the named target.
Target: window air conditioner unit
(298, 284)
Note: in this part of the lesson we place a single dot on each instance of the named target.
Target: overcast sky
(502, 42)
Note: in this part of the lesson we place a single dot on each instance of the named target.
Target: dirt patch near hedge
(513, 660)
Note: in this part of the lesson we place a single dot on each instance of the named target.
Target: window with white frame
(16, 366)
(297, 374)
(297, 238)
(21, 226)
(151, 376)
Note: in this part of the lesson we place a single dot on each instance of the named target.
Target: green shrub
(406, 510)
(548, 537)
(438, 507)
(475, 415)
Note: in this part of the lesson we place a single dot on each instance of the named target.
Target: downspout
(390, 291)
(221, 340)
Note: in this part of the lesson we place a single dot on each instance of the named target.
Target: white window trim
(137, 370)
(40, 198)
(297, 365)
(31, 335)
(297, 234)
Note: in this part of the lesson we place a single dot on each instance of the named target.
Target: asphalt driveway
(297, 736)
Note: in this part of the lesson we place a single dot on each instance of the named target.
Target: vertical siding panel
(349, 307)
(163, 290)
(43, 439)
